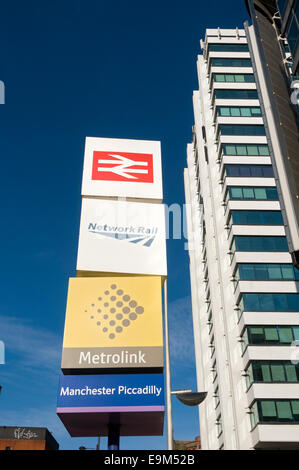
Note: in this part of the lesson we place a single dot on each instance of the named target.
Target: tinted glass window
(245, 149)
(259, 243)
(273, 371)
(271, 302)
(238, 129)
(276, 411)
(253, 193)
(257, 217)
(268, 272)
(233, 78)
(285, 335)
(293, 34)
(225, 62)
(279, 335)
(282, 5)
(236, 94)
(228, 47)
(265, 171)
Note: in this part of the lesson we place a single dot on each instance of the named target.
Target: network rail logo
(175, 223)
(142, 235)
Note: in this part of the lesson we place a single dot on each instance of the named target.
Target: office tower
(244, 284)
(275, 41)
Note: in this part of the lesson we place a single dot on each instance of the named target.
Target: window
(214, 371)
(271, 335)
(282, 5)
(230, 62)
(216, 397)
(256, 243)
(256, 217)
(267, 409)
(275, 411)
(232, 94)
(210, 321)
(269, 302)
(241, 129)
(295, 330)
(252, 193)
(256, 334)
(286, 334)
(254, 416)
(236, 111)
(292, 34)
(227, 47)
(245, 149)
(255, 171)
(219, 425)
(272, 371)
(212, 346)
(268, 272)
(233, 77)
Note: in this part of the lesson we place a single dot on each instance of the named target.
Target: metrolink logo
(142, 235)
(117, 310)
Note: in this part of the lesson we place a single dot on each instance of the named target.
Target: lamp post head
(190, 398)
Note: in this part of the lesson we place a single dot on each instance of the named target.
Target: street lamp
(187, 397)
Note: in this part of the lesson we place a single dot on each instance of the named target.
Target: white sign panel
(122, 237)
(122, 168)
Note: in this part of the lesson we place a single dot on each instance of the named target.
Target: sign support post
(113, 436)
(167, 373)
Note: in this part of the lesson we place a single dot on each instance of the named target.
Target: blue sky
(72, 69)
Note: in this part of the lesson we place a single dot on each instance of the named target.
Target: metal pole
(167, 373)
(113, 436)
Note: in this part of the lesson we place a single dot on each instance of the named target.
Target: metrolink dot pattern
(114, 311)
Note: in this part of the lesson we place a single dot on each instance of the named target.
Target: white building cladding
(244, 287)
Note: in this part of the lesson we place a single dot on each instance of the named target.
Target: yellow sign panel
(113, 322)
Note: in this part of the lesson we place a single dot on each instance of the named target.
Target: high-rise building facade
(244, 283)
(275, 47)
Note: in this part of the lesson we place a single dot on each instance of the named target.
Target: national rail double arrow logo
(123, 166)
